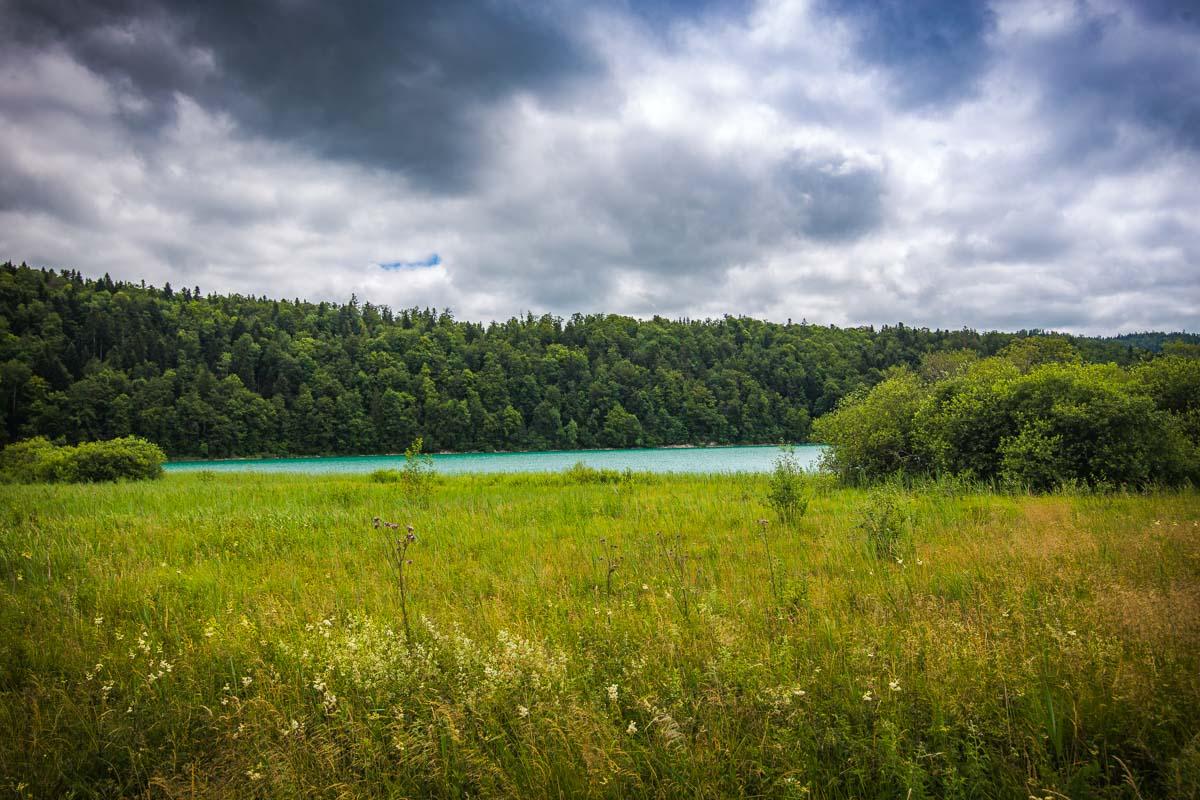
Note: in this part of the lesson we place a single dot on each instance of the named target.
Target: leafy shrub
(22, 462)
(786, 492)
(1036, 424)
(884, 519)
(386, 476)
(1032, 459)
(417, 475)
(872, 434)
(127, 458)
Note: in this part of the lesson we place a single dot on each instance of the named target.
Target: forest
(212, 375)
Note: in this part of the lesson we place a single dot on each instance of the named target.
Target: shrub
(872, 434)
(1036, 424)
(417, 474)
(786, 492)
(386, 476)
(22, 462)
(884, 520)
(127, 458)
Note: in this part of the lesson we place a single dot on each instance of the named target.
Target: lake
(658, 459)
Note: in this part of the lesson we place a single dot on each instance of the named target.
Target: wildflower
(612, 693)
(632, 729)
(645, 587)
(254, 775)
(522, 712)
(894, 685)
(20, 577)
(247, 680)
(98, 621)
(1071, 633)
(867, 696)
(27, 554)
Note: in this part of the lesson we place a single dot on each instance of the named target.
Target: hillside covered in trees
(229, 375)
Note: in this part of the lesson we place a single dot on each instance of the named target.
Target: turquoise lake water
(665, 459)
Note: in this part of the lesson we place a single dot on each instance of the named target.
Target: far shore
(710, 446)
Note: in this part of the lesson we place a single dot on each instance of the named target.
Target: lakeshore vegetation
(228, 375)
(596, 635)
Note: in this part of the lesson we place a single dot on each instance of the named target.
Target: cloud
(933, 51)
(404, 86)
(1017, 165)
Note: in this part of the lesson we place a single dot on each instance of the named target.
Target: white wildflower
(612, 693)
(894, 685)
(522, 712)
(632, 729)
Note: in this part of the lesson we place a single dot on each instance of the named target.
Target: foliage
(873, 433)
(786, 493)
(579, 472)
(884, 519)
(1036, 422)
(25, 461)
(127, 458)
(417, 474)
(242, 637)
(218, 376)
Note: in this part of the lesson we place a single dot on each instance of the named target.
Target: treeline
(1034, 417)
(227, 375)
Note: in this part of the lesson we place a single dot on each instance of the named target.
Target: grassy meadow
(241, 636)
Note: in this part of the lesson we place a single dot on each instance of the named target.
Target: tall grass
(241, 635)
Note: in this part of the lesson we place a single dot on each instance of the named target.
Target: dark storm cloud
(403, 86)
(1022, 164)
(1106, 70)
(933, 50)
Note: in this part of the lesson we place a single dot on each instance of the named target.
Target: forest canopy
(231, 375)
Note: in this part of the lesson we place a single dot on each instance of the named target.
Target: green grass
(240, 635)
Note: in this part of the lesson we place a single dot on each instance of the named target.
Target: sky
(942, 163)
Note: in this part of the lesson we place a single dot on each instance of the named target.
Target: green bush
(22, 462)
(1034, 422)
(884, 520)
(872, 434)
(786, 491)
(37, 460)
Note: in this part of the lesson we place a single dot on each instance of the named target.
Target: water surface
(658, 459)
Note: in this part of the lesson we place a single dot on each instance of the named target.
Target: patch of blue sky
(432, 260)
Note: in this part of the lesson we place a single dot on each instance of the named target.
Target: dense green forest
(228, 375)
